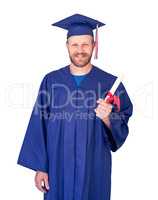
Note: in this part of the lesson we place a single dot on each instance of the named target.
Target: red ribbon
(113, 99)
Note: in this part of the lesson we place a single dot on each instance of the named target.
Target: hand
(103, 111)
(41, 181)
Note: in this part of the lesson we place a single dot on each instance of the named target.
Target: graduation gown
(65, 138)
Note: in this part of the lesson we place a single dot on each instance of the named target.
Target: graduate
(73, 129)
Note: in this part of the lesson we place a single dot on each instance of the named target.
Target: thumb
(46, 183)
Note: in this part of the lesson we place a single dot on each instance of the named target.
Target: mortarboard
(80, 25)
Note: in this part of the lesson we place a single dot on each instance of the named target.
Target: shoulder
(104, 74)
(109, 79)
(54, 75)
(105, 78)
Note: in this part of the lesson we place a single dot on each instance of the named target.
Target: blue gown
(65, 138)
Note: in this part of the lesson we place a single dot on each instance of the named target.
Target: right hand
(41, 181)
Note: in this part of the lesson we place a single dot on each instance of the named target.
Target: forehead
(80, 38)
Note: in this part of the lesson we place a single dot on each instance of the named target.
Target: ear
(94, 44)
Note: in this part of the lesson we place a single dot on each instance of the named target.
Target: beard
(80, 59)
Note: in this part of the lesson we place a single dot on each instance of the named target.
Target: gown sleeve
(119, 130)
(33, 153)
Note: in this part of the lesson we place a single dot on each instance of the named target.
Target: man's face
(80, 49)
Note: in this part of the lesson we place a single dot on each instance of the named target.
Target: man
(72, 129)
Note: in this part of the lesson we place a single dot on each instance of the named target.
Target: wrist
(107, 122)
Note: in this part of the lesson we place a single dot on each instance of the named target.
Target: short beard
(81, 65)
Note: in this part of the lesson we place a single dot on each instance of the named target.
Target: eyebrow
(83, 43)
(92, 40)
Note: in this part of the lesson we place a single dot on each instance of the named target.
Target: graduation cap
(80, 25)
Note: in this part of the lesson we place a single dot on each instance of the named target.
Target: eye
(74, 45)
(85, 45)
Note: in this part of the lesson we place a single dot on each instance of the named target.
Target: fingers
(101, 113)
(103, 109)
(103, 103)
(39, 185)
(41, 182)
(46, 183)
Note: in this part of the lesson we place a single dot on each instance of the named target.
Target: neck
(80, 70)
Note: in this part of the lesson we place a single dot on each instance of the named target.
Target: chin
(79, 65)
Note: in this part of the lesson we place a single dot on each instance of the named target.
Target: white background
(30, 47)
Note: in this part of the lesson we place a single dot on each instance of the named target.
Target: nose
(80, 49)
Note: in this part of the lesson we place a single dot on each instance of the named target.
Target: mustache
(82, 54)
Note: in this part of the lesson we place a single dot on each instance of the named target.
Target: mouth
(81, 55)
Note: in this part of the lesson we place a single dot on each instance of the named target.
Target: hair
(90, 35)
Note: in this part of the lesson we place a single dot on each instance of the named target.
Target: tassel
(96, 43)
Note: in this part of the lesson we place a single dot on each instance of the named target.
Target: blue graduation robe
(69, 142)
